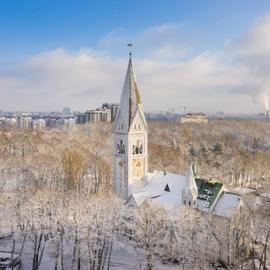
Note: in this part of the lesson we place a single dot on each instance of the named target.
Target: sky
(207, 55)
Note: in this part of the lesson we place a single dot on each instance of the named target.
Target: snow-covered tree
(147, 229)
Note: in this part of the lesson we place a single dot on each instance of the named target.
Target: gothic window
(120, 148)
(137, 148)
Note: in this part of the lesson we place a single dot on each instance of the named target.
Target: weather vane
(130, 46)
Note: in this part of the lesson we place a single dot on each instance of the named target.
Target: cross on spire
(130, 51)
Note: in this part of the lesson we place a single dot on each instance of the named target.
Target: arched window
(137, 149)
(138, 169)
(120, 148)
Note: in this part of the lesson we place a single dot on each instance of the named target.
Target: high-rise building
(39, 124)
(98, 115)
(66, 110)
(105, 114)
(69, 121)
(51, 122)
(11, 122)
(24, 121)
(112, 109)
(80, 118)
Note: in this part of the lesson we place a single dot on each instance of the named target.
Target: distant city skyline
(211, 56)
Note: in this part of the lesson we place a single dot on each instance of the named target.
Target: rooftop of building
(165, 189)
(207, 191)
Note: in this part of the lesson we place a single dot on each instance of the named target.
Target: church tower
(130, 139)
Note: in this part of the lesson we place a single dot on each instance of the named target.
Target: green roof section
(207, 191)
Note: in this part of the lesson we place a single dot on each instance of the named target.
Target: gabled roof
(166, 189)
(130, 101)
(155, 190)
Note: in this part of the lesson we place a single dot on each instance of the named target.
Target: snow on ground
(121, 258)
(242, 190)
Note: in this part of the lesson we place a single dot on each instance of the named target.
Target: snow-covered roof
(227, 204)
(155, 190)
(166, 189)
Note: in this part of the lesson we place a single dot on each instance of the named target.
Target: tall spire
(130, 99)
(190, 192)
(130, 139)
(190, 181)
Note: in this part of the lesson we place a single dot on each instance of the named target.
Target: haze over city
(208, 55)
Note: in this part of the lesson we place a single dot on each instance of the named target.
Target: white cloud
(256, 41)
(163, 42)
(252, 53)
(230, 79)
(57, 78)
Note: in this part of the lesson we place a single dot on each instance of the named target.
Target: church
(132, 181)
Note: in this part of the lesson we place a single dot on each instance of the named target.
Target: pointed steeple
(190, 181)
(190, 192)
(130, 140)
(130, 101)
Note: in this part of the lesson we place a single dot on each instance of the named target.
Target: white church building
(133, 182)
